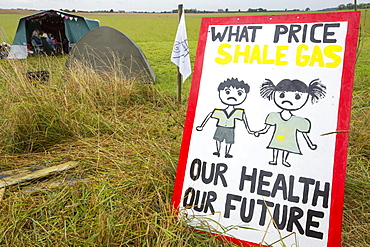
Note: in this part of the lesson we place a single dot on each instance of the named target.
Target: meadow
(127, 137)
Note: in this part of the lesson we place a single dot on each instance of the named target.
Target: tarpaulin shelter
(63, 26)
(105, 50)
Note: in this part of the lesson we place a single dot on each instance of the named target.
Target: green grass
(127, 138)
(9, 24)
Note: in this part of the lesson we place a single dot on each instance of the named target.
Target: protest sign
(264, 147)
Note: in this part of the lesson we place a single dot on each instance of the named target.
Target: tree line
(352, 6)
(347, 6)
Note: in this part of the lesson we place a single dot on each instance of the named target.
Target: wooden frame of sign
(264, 147)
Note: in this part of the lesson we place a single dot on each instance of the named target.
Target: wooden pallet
(12, 177)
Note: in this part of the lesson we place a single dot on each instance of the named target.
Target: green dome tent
(107, 50)
(62, 25)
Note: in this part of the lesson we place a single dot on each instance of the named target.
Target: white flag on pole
(180, 52)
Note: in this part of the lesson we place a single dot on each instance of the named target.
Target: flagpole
(180, 52)
(179, 10)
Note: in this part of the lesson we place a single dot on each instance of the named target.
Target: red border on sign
(345, 102)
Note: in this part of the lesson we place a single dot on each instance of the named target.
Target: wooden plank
(51, 185)
(28, 173)
(20, 171)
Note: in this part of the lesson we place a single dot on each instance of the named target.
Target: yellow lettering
(256, 55)
(302, 60)
(317, 57)
(244, 53)
(227, 56)
(329, 52)
(265, 53)
(227, 53)
(280, 54)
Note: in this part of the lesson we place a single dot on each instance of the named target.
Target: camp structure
(64, 27)
(108, 51)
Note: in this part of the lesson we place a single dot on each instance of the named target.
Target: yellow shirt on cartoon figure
(227, 120)
(285, 134)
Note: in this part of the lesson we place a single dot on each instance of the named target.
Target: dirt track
(17, 12)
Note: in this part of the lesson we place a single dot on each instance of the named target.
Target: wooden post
(355, 5)
(179, 77)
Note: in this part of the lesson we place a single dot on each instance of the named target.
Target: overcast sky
(167, 5)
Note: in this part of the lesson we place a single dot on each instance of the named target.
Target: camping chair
(36, 47)
(46, 47)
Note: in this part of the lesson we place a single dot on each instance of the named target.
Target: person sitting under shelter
(35, 37)
(48, 40)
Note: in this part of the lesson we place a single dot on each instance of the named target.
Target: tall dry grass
(74, 103)
(126, 136)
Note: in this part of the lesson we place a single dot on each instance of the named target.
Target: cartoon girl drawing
(289, 96)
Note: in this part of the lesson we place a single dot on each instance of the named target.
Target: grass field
(127, 137)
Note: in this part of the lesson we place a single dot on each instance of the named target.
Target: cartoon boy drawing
(232, 93)
(289, 96)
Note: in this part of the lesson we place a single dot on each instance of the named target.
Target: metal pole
(355, 5)
(178, 69)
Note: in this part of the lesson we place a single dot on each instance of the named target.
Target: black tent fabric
(105, 49)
